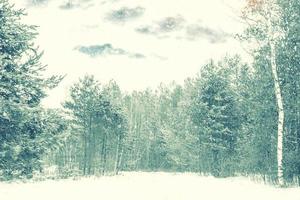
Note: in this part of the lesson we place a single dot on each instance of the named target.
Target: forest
(233, 118)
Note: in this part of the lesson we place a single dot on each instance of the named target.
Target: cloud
(146, 30)
(165, 25)
(137, 55)
(66, 5)
(37, 2)
(125, 14)
(196, 31)
(106, 49)
(169, 24)
(69, 5)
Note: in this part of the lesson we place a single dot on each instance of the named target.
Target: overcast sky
(138, 43)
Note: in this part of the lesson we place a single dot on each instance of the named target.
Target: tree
(258, 145)
(214, 111)
(22, 86)
(288, 65)
(264, 19)
(100, 124)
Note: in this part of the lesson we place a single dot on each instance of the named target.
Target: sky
(138, 43)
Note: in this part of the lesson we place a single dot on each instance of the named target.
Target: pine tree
(22, 87)
(215, 113)
(100, 124)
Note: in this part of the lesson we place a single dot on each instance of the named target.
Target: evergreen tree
(100, 125)
(22, 86)
(215, 113)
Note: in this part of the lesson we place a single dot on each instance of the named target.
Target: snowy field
(147, 186)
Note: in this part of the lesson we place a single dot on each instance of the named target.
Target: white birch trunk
(279, 101)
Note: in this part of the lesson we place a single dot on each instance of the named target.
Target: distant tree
(101, 126)
(214, 111)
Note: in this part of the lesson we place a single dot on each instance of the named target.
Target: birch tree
(263, 18)
(289, 66)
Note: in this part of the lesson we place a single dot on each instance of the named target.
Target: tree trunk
(280, 110)
(90, 150)
(119, 152)
(199, 154)
(92, 147)
(103, 153)
(298, 144)
(85, 153)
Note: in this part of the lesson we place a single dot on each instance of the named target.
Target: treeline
(220, 122)
(223, 122)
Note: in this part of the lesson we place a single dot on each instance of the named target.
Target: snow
(147, 186)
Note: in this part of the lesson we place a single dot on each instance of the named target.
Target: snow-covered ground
(147, 186)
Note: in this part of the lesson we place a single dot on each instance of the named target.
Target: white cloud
(124, 14)
(106, 50)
